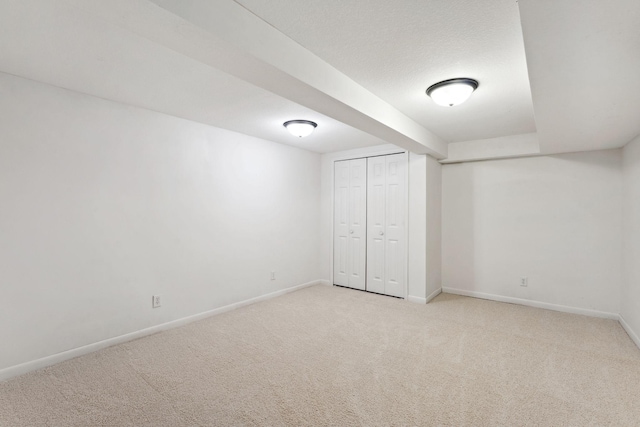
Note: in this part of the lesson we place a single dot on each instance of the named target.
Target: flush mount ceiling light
(452, 92)
(300, 128)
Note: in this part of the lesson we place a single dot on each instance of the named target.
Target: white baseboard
(434, 294)
(417, 300)
(531, 303)
(634, 337)
(421, 300)
(14, 371)
(325, 282)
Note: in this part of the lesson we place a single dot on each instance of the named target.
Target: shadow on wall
(458, 228)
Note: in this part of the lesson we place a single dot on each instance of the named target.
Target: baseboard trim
(532, 303)
(417, 300)
(325, 282)
(23, 368)
(434, 294)
(426, 300)
(634, 337)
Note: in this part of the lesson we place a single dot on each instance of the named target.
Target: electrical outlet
(524, 281)
(157, 301)
(273, 275)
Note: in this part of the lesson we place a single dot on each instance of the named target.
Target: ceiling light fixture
(452, 92)
(300, 128)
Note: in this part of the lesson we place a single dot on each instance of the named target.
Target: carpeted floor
(333, 356)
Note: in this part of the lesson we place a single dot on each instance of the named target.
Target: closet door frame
(406, 213)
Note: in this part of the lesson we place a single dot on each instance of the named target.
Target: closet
(369, 224)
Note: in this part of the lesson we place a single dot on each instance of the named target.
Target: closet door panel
(357, 223)
(341, 224)
(395, 209)
(376, 222)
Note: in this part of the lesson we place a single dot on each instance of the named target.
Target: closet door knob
(350, 231)
(382, 233)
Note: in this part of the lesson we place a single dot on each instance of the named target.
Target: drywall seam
(23, 368)
(434, 294)
(634, 337)
(532, 303)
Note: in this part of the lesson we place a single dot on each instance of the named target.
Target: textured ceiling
(396, 49)
(48, 41)
(584, 62)
(358, 68)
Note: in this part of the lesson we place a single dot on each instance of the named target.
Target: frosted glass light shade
(300, 128)
(452, 92)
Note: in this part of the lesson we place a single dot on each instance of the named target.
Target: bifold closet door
(350, 223)
(386, 211)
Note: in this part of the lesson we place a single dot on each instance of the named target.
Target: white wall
(630, 306)
(103, 205)
(417, 229)
(434, 226)
(555, 219)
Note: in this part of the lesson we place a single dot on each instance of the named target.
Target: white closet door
(350, 248)
(358, 223)
(341, 224)
(394, 226)
(386, 222)
(376, 224)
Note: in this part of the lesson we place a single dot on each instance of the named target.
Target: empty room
(319, 212)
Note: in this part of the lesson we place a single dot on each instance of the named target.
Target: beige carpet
(333, 356)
